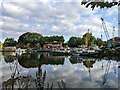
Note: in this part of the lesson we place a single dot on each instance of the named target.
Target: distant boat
(75, 54)
(86, 53)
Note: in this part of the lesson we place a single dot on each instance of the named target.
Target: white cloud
(50, 18)
(112, 11)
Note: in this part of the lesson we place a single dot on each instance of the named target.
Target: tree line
(36, 40)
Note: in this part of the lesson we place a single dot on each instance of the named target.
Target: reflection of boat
(58, 53)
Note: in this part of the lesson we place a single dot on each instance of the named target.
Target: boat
(86, 53)
(75, 54)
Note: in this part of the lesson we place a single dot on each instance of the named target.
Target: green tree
(72, 42)
(57, 38)
(53, 38)
(88, 39)
(75, 41)
(45, 39)
(98, 3)
(30, 40)
(9, 42)
(79, 41)
(99, 42)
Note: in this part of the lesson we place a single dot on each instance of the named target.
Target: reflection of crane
(105, 29)
(106, 72)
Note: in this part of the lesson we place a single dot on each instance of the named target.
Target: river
(42, 70)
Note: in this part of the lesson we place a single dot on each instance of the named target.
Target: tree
(53, 38)
(30, 40)
(88, 39)
(9, 42)
(98, 3)
(79, 41)
(57, 38)
(45, 39)
(75, 41)
(99, 42)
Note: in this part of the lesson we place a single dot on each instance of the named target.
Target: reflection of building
(114, 41)
(1, 45)
(9, 48)
(51, 45)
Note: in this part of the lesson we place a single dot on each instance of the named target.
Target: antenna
(113, 38)
(88, 30)
(113, 33)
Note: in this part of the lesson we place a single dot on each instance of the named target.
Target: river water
(42, 70)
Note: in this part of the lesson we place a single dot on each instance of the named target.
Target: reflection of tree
(9, 56)
(15, 80)
(75, 60)
(23, 82)
(62, 85)
(34, 60)
(89, 64)
(40, 78)
(19, 81)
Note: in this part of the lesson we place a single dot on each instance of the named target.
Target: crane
(105, 29)
(108, 63)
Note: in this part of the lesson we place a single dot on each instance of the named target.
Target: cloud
(79, 75)
(67, 18)
(112, 11)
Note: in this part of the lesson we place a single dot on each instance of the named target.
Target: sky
(59, 17)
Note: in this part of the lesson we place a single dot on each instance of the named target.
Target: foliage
(99, 42)
(57, 38)
(88, 39)
(9, 42)
(89, 63)
(101, 4)
(75, 41)
(53, 38)
(30, 40)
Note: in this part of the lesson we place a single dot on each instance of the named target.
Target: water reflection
(32, 60)
(38, 70)
(9, 56)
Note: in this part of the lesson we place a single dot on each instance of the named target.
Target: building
(52, 45)
(113, 41)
